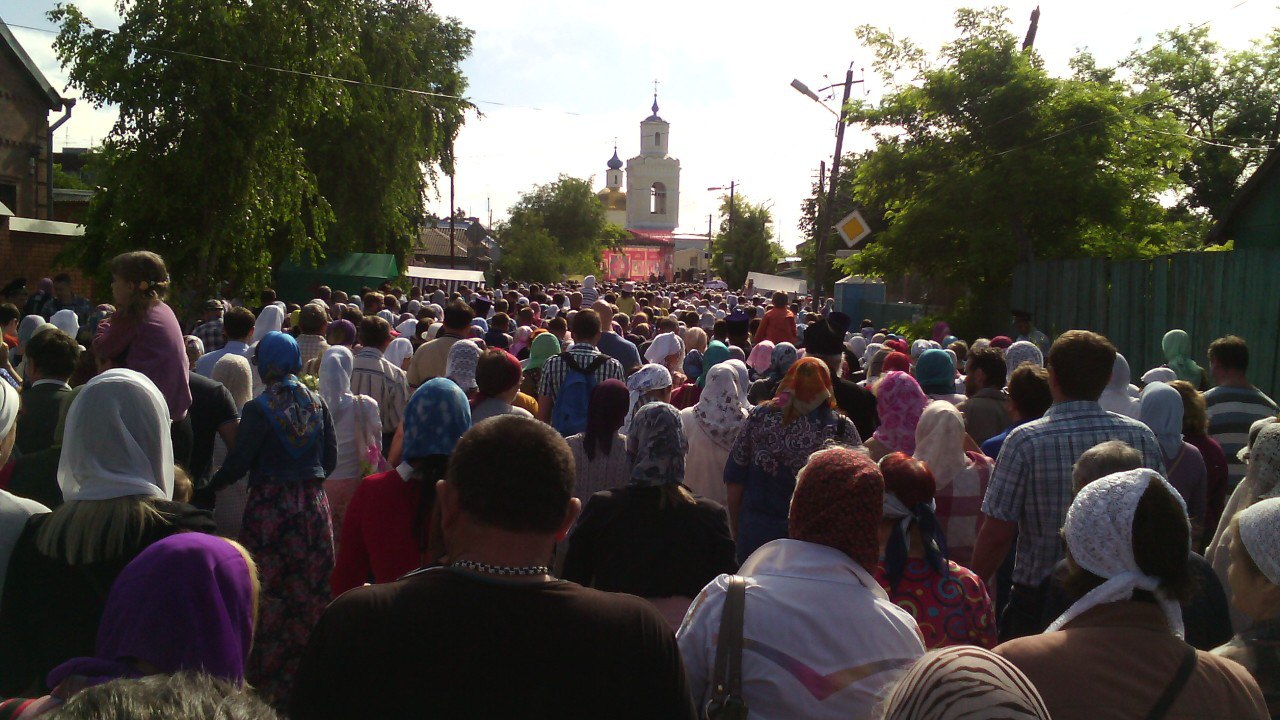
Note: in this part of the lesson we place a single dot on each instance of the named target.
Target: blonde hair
(1195, 414)
(87, 531)
(255, 584)
(147, 273)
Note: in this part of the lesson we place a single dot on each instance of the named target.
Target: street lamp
(733, 184)
(820, 251)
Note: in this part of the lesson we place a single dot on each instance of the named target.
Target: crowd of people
(644, 500)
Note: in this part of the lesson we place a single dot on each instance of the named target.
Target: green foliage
(63, 179)
(750, 242)
(982, 159)
(554, 229)
(227, 168)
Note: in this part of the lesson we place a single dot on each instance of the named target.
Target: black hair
(238, 323)
(991, 362)
(1230, 352)
(458, 315)
(514, 474)
(374, 332)
(181, 696)
(54, 353)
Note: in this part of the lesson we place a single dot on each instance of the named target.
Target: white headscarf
(433, 331)
(461, 365)
(719, 411)
(940, 441)
(1260, 533)
(856, 345)
(1159, 374)
(1099, 533)
(117, 440)
(66, 321)
(1021, 353)
(663, 346)
(652, 376)
(335, 378)
(398, 350)
(235, 374)
(1261, 479)
(1161, 410)
(744, 380)
(918, 347)
(9, 400)
(271, 319)
(408, 328)
(1116, 397)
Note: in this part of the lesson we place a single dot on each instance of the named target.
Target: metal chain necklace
(501, 569)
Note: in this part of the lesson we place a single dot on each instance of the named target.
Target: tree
(982, 160)
(556, 228)
(749, 246)
(215, 164)
(1228, 101)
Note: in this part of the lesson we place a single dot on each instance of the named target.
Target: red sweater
(377, 534)
(777, 326)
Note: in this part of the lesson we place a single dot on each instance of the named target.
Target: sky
(556, 82)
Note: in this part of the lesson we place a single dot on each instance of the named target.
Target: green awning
(297, 282)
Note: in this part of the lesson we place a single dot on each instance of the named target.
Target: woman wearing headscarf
(692, 365)
(899, 403)
(600, 452)
(236, 376)
(961, 476)
(948, 601)
(544, 347)
(896, 362)
(388, 527)
(461, 365)
(66, 321)
(1176, 346)
(357, 426)
(760, 358)
(830, 643)
(186, 603)
(287, 445)
(652, 538)
(1255, 590)
(687, 395)
(1161, 410)
(781, 359)
(14, 510)
(1020, 353)
(711, 426)
(773, 444)
(668, 350)
(1118, 397)
(26, 330)
(695, 338)
(1127, 537)
(964, 683)
(399, 352)
(116, 475)
(935, 371)
(651, 383)
(498, 375)
(1195, 430)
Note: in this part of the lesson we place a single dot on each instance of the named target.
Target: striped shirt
(1231, 411)
(373, 375)
(1031, 485)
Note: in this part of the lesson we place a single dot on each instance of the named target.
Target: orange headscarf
(806, 386)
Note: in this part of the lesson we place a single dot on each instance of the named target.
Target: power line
(301, 73)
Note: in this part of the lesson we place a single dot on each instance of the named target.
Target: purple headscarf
(184, 603)
(348, 330)
(606, 412)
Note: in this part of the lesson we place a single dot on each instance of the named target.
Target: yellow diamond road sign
(853, 228)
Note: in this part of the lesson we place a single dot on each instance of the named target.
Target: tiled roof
(435, 241)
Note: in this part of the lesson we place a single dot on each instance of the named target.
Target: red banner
(638, 263)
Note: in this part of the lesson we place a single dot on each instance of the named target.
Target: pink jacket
(153, 347)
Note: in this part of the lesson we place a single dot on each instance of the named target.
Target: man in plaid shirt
(1030, 490)
(586, 332)
(210, 329)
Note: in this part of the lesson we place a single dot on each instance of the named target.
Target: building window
(657, 139)
(658, 199)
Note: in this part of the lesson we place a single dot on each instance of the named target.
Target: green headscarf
(545, 346)
(1177, 353)
(717, 352)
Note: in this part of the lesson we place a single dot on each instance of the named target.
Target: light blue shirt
(204, 366)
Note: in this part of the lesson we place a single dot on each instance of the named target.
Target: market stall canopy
(776, 283)
(447, 278)
(297, 282)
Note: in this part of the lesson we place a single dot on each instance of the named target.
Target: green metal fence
(1134, 302)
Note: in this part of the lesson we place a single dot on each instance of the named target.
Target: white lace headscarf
(1099, 533)
(1260, 533)
(647, 379)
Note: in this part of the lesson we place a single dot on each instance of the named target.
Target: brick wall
(31, 256)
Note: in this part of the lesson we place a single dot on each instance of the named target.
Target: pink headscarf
(761, 355)
(899, 402)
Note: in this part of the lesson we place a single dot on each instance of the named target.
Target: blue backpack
(569, 414)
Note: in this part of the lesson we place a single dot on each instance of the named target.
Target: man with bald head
(613, 344)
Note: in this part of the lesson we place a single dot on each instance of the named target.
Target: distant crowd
(635, 500)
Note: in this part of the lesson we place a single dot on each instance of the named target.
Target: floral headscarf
(461, 365)
(806, 387)
(719, 410)
(645, 380)
(435, 418)
(838, 502)
(294, 413)
(1021, 353)
(899, 403)
(658, 445)
(780, 361)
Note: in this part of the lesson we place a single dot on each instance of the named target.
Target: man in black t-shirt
(824, 340)
(213, 412)
(492, 634)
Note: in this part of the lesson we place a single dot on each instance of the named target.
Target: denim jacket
(260, 453)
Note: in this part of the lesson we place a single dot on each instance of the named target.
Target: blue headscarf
(693, 364)
(717, 352)
(936, 372)
(435, 418)
(295, 414)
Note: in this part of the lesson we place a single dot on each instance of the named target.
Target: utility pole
(451, 223)
(821, 262)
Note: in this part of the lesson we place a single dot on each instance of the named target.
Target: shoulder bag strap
(1161, 708)
(1178, 459)
(727, 682)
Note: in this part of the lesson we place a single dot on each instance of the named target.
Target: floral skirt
(288, 531)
